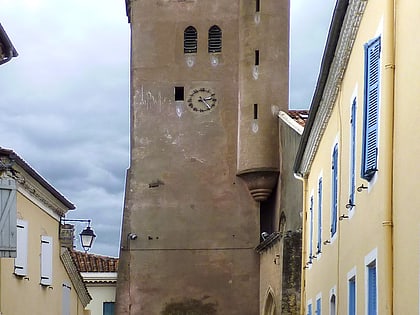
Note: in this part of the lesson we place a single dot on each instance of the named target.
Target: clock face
(201, 100)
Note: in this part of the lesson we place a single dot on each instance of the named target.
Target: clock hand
(208, 98)
(204, 101)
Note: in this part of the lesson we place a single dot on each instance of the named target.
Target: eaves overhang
(341, 36)
(13, 157)
(8, 50)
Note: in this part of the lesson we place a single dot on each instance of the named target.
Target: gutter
(327, 59)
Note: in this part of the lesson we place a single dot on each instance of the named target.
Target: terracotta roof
(300, 116)
(94, 263)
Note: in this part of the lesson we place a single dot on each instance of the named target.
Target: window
(352, 154)
(311, 227)
(108, 308)
(332, 305)
(319, 240)
(318, 307)
(215, 39)
(179, 93)
(371, 289)
(190, 40)
(352, 296)
(46, 260)
(21, 260)
(257, 58)
(371, 109)
(310, 309)
(257, 5)
(334, 185)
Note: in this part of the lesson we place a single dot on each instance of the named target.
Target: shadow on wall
(190, 307)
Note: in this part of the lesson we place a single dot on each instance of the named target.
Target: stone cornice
(339, 64)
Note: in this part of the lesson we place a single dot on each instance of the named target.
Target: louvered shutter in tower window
(215, 39)
(8, 237)
(190, 40)
(371, 109)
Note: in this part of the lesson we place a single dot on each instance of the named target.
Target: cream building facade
(37, 275)
(358, 164)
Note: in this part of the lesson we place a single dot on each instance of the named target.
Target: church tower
(208, 78)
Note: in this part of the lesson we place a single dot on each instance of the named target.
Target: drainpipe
(304, 243)
(387, 109)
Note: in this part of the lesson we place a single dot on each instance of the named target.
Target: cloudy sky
(64, 101)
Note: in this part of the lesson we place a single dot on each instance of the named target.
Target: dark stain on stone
(190, 307)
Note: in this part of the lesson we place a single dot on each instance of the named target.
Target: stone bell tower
(207, 79)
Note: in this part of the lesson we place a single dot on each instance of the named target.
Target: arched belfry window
(190, 40)
(215, 39)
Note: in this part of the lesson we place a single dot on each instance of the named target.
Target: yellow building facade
(37, 275)
(358, 164)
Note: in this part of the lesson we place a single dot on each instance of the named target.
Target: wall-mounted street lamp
(87, 236)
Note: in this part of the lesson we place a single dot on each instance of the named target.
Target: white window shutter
(66, 299)
(46, 260)
(21, 260)
(7, 217)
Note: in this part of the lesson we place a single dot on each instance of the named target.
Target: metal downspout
(304, 244)
(388, 127)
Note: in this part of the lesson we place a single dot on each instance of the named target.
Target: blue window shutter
(310, 309)
(311, 228)
(352, 152)
(372, 297)
(371, 109)
(352, 296)
(334, 205)
(8, 230)
(319, 241)
(318, 307)
(108, 308)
